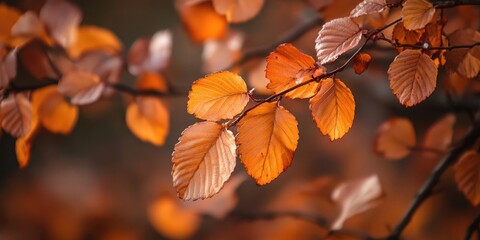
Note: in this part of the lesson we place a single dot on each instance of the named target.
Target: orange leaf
(361, 62)
(467, 176)
(152, 81)
(16, 112)
(237, 11)
(150, 54)
(369, 7)
(404, 36)
(333, 108)
(218, 96)
(203, 159)
(395, 138)
(356, 197)
(288, 67)
(417, 13)
(267, 138)
(413, 77)
(8, 18)
(257, 79)
(23, 145)
(202, 22)
(62, 19)
(82, 87)
(27, 27)
(91, 38)
(337, 37)
(218, 55)
(54, 113)
(466, 62)
(439, 135)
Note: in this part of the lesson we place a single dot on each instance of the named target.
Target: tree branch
(472, 228)
(415, 46)
(454, 3)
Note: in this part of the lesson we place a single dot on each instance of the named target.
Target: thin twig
(416, 46)
(472, 228)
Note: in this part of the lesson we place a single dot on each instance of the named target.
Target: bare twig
(472, 228)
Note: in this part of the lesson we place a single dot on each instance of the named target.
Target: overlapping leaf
(91, 38)
(267, 138)
(395, 138)
(404, 36)
(465, 61)
(16, 112)
(333, 108)
(150, 54)
(417, 13)
(62, 19)
(82, 87)
(467, 176)
(369, 7)
(237, 11)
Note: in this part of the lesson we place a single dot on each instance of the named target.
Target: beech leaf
(417, 13)
(369, 7)
(82, 87)
(467, 176)
(62, 19)
(237, 11)
(92, 38)
(150, 54)
(464, 61)
(23, 145)
(8, 17)
(203, 22)
(395, 138)
(439, 136)
(16, 112)
(218, 55)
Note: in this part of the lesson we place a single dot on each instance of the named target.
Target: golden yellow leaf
(203, 159)
(288, 67)
(218, 96)
(413, 77)
(369, 7)
(54, 113)
(82, 87)
(8, 18)
(203, 22)
(16, 111)
(237, 11)
(464, 61)
(91, 38)
(267, 138)
(467, 176)
(395, 138)
(333, 108)
(417, 13)
(148, 118)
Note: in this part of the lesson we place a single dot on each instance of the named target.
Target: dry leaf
(62, 19)
(150, 54)
(203, 159)
(333, 108)
(369, 7)
(8, 18)
(467, 176)
(413, 77)
(288, 67)
(464, 61)
(16, 112)
(91, 38)
(337, 37)
(267, 138)
(404, 36)
(356, 197)
(218, 96)
(35, 60)
(82, 87)
(439, 135)
(361, 62)
(237, 11)
(417, 13)
(218, 55)
(203, 22)
(395, 138)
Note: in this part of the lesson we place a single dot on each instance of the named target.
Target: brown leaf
(288, 67)
(455, 83)
(413, 77)
(361, 62)
(203, 22)
(337, 37)
(218, 55)
(237, 11)
(356, 197)
(404, 36)
(8, 18)
(395, 138)
(369, 7)
(333, 108)
(82, 87)
(91, 38)
(417, 13)
(62, 19)
(464, 61)
(218, 96)
(35, 60)
(203, 159)
(267, 138)
(151, 54)
(16, 112)
(467, 176)
(439, 135)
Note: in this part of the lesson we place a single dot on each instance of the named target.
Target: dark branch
(454, 3)
(472, 228)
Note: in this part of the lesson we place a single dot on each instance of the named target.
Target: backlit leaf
(267, 138)
(439, 135)
(395, 138)
(218, 55)
(203, 159)
(288, 67)
(203, 22)
(467, 176)
(62, 19)
(464, 61)
(417, 13)
(8, 18)
(218, 96)
(16, 112)
(369, 7)
(29, 26)
(23, 145)
(150, 54)
(237, 11)
(337, 37)
(413, 77)
(82, 87)
(361, 62)
(333, 108)
(355, 197)
(404, 36)
(91, 38)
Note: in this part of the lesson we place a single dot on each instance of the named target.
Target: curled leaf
(23, 145)
(395, 138)
(404, 36)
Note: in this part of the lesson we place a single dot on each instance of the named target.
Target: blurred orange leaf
(203, 22)
(337, 37)
(257, 79)
(413, 77)
(467, 176)
(82, 87)
(417, 13)
(150, 54)
(218, 55)
(333, 108)
(361, 62)
(267, 138)
(356, 197)
(8, 18)
(27, 27)
(91, 38)
(395, 138)
(23, 145)
(218, 96)
(203, 159)
(369, 7)
(62, 19)
(439, 135)
(464, 61)
(16, 112)
(288, 67)
(237, 11)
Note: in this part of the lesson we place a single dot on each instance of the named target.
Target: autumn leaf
(288, 67)
(218, 55)
(62, 19)
(413, 77)
(464, 61)
(16, 112)
(82, 87)
(267, 138)
(257, 79)
(237, 11)
(395, 138)
(203, 22)
(439, 135)
(218, 96)
(203, 159)
(151, 54)
(34, 59)
(23, 145)
(27, 27)
(404, 36)
(361, 62)
(356, 197)
(369, 7)
(467, 176)
(8, 17)
(333, 108)
(8, 69)
(417, 13)
(455, 83)
(91, 38)
(337, 37)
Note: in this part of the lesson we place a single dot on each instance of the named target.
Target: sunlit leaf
(23, 145)
(439, 135)
(203, 159)
(16, 112)
(218, 96)
(413, 77)
(337, 37)
(395, 138)
(369, 7)
(464, 61)
(8, 18)
(237, 11)
(288, 67)
(361, 62)
(203, 22)
(150, 54)
(82, 87)
(267, 138)
(91, 38)
(333, 108)
(467, 176)
(404, 36)
(356, 197)
(417, 13)
(218, 55)
(62, 19)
